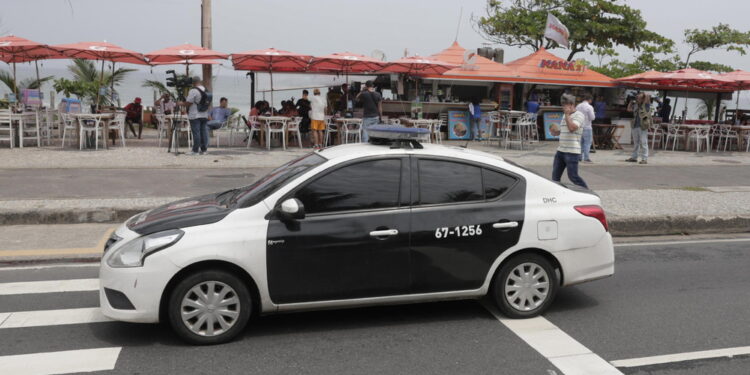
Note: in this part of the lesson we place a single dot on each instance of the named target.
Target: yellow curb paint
(47, 252)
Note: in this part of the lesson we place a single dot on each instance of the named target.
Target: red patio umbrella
(742, 79)
(100, 51)
(189, 62)
(14, 49)
(640, 77)
(184, 52)
(270, 60)
(345, 62)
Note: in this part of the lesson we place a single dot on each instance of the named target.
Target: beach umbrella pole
(270, 73)
(101, 79)
(15, 84)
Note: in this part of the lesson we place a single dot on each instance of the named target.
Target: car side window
(449, 182)
(496, 183)
(362, 186)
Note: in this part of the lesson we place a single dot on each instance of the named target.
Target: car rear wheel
(525, 286)
(209, 307)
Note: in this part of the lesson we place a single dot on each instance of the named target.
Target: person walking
(569, 150)
(588, 132)
(303, 110)
(372, 105)
(641, 108)
(317, 118)
(198, 116)
(475, 111)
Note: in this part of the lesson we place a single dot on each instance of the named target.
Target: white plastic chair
(28, 126)
(89, 125)
(728, 135)
(181, 126)
(118, 124)
(424, 124)
(7, 133)
(331, 128)
(674, 133)
(700, 135)
(353, 128)
(655, 131)
(276, 127)
(68, 123)
(747, 141)
(226, 127)
(162, 124)
(292, 127)
(255, 127)
(436, 126)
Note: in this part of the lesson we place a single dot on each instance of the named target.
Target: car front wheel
(209, 307)
(525, 286)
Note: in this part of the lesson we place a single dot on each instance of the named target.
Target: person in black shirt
(665, 110)
(303, 110)
(371, 104)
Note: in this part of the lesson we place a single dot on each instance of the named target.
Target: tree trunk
(206, 40)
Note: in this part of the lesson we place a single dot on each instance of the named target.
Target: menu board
(549, 119)
(459, 125)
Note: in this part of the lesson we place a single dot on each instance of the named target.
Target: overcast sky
(319, 27)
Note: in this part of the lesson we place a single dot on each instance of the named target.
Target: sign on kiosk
(459, 125)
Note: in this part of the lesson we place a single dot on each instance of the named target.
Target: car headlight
(132, 253)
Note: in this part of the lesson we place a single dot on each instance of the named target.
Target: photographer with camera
(198, 102)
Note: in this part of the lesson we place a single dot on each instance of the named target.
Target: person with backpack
(198, 102)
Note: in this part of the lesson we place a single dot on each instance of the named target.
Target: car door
(353, 241)
(463, 216)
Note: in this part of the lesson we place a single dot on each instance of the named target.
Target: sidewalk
(677, 192)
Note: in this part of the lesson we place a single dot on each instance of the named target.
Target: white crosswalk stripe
(24, 319)
(51, 286)
(57, 362)
(63, 362)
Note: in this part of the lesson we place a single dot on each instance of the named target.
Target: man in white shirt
(317, 118)
(569, 150)
(587, 138)
(198, 119)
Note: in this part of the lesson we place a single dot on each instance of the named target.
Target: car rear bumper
(588, 263)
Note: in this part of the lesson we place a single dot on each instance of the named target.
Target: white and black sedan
(356, 225)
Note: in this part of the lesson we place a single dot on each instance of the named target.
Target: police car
(393, 221)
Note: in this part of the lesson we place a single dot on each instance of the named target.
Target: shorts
(318, 125)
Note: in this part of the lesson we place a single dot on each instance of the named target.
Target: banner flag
(556, 31)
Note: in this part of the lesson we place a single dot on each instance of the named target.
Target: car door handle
(384, 233)
(505, 225)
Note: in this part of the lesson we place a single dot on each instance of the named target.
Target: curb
(687, 224)
(68, 216)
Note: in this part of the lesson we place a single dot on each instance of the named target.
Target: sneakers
(202, 152)
(588, 161)
(642, 162)
(631, 160)
(193, 153)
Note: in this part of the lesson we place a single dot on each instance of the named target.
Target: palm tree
(86, 71)
(159, 87)
(28, 83)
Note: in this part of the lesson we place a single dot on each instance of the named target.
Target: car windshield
(252, 194)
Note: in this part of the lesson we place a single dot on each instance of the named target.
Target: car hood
(190, 212)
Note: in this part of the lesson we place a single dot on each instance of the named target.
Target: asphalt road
(664, 299)
(142, 183)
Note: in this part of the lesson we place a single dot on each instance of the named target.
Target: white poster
(556, 31)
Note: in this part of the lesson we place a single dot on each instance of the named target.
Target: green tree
(28, 83)
(721, 36)
(87, 73)
(592, 24)
(652, 57)
(711, 67)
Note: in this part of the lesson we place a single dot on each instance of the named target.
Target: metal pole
(101, 78)
(206, 40)
(718, 107)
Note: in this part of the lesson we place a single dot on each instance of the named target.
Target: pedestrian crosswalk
(13, 323)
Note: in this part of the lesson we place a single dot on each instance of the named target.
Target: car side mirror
(291, 209)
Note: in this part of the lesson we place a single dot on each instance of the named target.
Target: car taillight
(595, 212)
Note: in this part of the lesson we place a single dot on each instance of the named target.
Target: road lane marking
(63, 362)
(50, 286)
(97, 249)
(681, 357)
(24, 319)
(690, 242)
(567, 354)
(48, 266)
